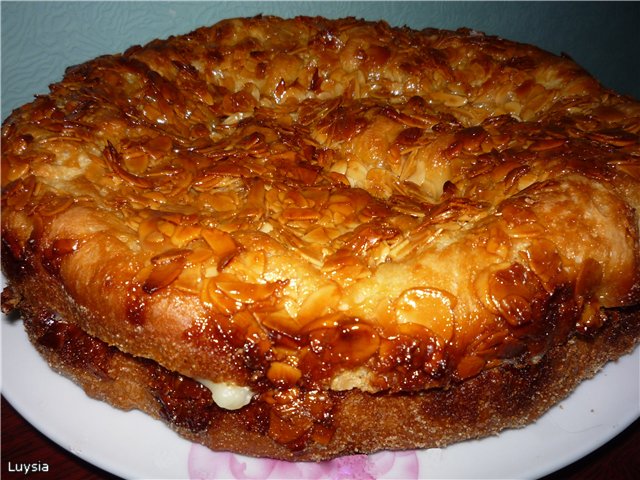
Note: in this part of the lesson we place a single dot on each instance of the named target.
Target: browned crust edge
(497, 399)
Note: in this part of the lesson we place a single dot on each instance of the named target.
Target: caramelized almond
(222, 244)
(431, 307)
(248, 292)
(515, 292)
(114, 161)
(470, 366)
(164, 272)
(283, 374)
(170, 256)
(349, 344)
(300, 214)
(319, 302)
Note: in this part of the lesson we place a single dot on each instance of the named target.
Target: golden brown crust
(315, 205)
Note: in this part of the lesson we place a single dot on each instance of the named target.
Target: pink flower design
(205, 464)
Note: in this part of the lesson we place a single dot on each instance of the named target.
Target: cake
(305, 238)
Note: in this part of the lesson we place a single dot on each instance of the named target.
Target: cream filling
(228, 395)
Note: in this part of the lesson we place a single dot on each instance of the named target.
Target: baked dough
(270, 231)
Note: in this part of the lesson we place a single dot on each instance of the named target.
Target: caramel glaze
(312, 205)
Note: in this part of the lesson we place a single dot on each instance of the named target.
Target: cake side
(326, 424)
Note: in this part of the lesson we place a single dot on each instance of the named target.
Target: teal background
(40, 39)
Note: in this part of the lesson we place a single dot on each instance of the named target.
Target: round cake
(305, 238)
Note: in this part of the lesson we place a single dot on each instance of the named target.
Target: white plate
(134, 446)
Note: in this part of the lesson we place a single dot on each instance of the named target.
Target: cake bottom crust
(509, 396)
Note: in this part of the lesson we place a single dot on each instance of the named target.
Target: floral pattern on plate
(205, 464)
